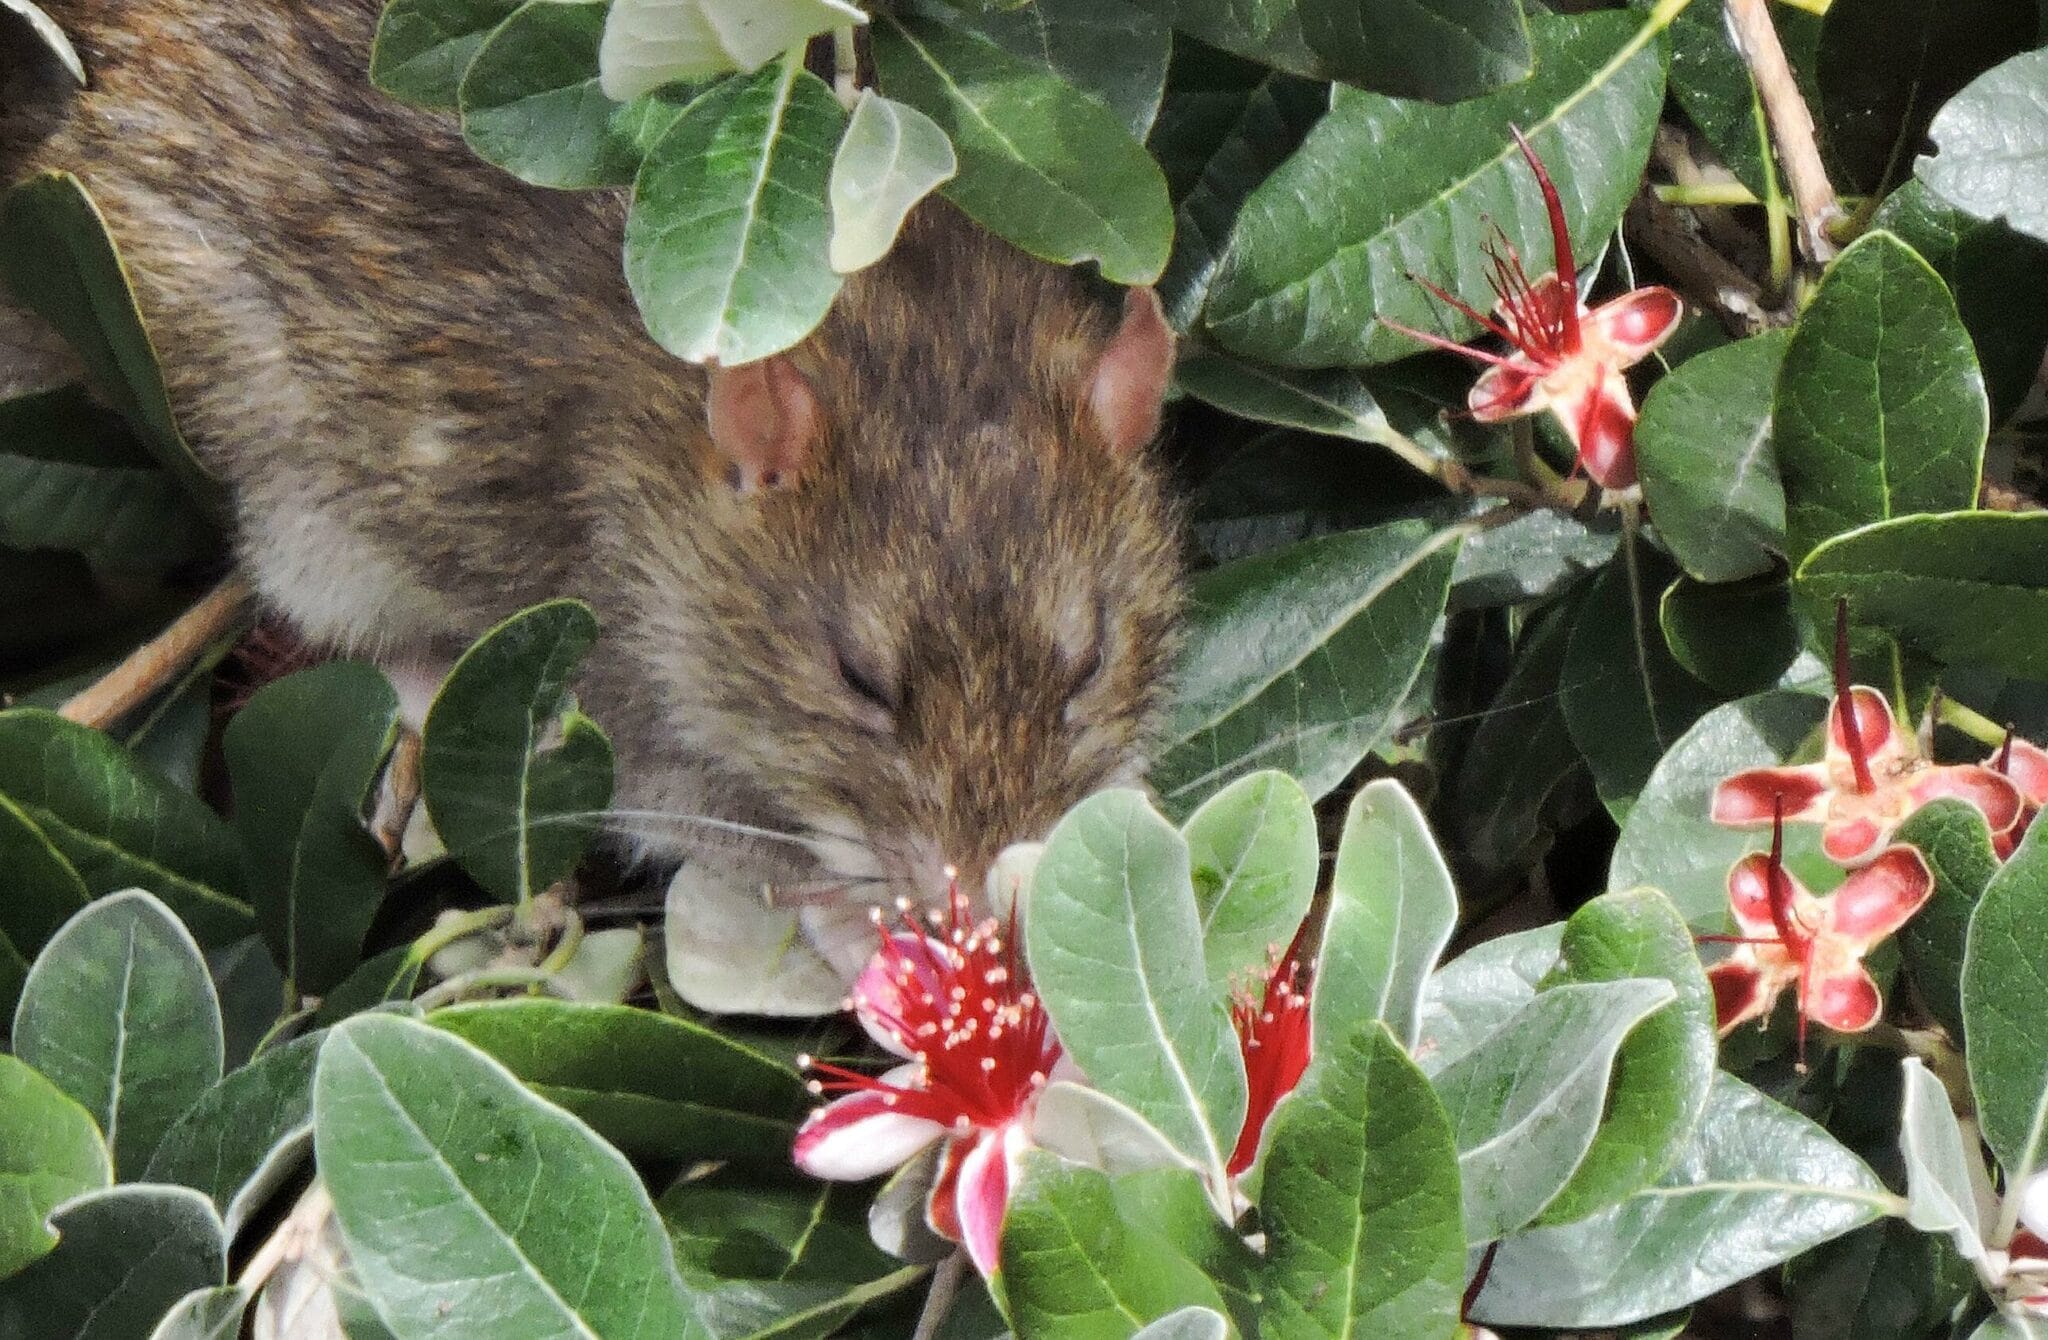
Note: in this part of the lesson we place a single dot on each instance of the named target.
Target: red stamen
(1450, 346)
(1845, 703)
(1794, 937)
(2004, 763)
(1560, 243)
(1492, 326)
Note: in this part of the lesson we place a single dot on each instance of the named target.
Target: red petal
(1850, 841)
(982, 1194)
(1504, 391)
(1606, 435)
(2028, 768)
(1638, 321)
(1881, 897)
(1882, 740)
(1996, 796)
(1740, 993)
(1845, 1000)
(1749, 895)
(941, 1208)
(1746, 798)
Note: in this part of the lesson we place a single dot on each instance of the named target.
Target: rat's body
(937, 624)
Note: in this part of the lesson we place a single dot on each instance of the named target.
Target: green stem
(1708, 193)
(456, 927)
(483, 979)
(1972, 723)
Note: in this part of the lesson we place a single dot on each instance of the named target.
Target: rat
(872, 608)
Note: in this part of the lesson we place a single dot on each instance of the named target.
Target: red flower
(1273, 1035)
(978, 1050)
(2025, 765)
(1791, 938)
(1565, 357)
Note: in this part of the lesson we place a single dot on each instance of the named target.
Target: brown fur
(437, 404)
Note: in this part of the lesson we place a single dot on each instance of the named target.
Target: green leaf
(119, 825)
(1664, 1069)
(1252, 849)
(1526, 1103)
(304, 755)
(43, 889)
(649, 43)
(1302, 658)
(1886, 1278)
(1880, 408)
(57, 257)
(1709, 472)
(1669, 843)
(424, 47)
(2005, 1009)
(53, 1152)
(1360, 1199)
(1224, 126)
(1115, 947)
(891, 157)
(1392, 909)
(125, 1256)
(1626, 698)
(1535, 555)
(213, 1313)
(1991, 269)
(1712, 83)
(651, 1084)
(1443, 51)
(1190, 1323)
(1051, 169)
(1113, 50)
(515, 810)
(462, 1195)
(1736, 638)
(1963, 587)
(1469, 999)
(1383, 188)
(1953, 838)
(531, 104)
(726, 243)
(244, 1134)
(70, 480)
(1991, 145)
(1073, 1266)
(1942, 1189)
(1757, 1185)
(119, 1012)
(1336, 402)
(45, 28)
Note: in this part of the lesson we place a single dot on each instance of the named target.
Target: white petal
(853, 1151)
(2034, 1205)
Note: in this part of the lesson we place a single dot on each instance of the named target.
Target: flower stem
(1707, 193)
(938, 1301)
(845, 66)
(454, 928)
(1972, 723)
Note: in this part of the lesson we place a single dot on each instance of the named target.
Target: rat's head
(939, 574)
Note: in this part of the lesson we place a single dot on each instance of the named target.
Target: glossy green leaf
(1626, 698)
(460, 1195)
(1301, 658)
(1735, 638)
(1963, 587)
(126, 1255)
(2005, 1009)
(1880, 408)
(304, 755)
(1757, 1184)
(648, 43)
(244, 1134)
(891, 157)
(424, 47)
(653, 1085)
(1953, 838)
(726, 243)
(1443, 51)
(1471, 997)
(1254, 858)
(1360, 1199)
(57, 257)
(1993, 271)
(1664, 1069)
(1074, 1266)
(53, 1152)
(531, 104)
(119, 825)
(516, 809)
(1525, 1103)
(1709, 472)
(1669, 843)
(213, 1313)
(1712, 83)
(46, 30)
(43, 889)
(1115, 946)
(1051, 169)
(1534, 555)
(1224, 125)
(119, 1012)
(1942, 1189)
(1391, 912)
(1190, 1323)
(1886, 1278)
(1113, 50)
(71, 479)
(1383, 188)
(1991, 146)
(1336, 402)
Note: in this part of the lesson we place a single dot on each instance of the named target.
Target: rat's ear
(765, 421)
(1128, 385)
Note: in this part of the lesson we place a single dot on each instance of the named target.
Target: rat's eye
(865, 684)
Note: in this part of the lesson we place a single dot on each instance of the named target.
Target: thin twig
(1813, 196)
(938, 1300)
(1700, 271)
(845, 67)
(400, 796)
(161, 659)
